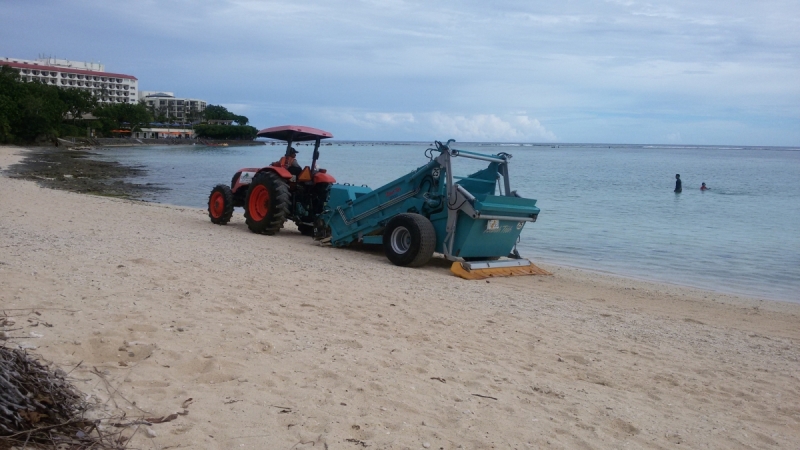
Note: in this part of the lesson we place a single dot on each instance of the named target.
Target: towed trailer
(473, 221)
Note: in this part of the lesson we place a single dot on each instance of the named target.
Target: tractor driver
(290, 162)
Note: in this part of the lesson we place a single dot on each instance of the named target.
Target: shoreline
(277, 342)
(106, 179)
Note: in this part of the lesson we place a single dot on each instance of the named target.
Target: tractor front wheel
(267, 203)
(220, 204)
(409, 240)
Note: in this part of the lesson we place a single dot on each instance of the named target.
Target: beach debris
(484, 396)
(187, 402)
(40, 407)
(439, 379)
(150, 432)
(149, 421)
(164, 419)
(131, 424)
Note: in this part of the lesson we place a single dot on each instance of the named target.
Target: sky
(573, 71)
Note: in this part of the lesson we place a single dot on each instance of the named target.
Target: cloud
(674, 138)
(490, 128)
(470, 128)
(390, 119)
(369, 120)
(582, 71)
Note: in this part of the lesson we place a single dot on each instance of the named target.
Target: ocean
(609, 208)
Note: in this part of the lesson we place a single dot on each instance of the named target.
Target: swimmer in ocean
(704, 188)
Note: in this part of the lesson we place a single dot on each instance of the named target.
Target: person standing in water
(678, 187)
(704, 188)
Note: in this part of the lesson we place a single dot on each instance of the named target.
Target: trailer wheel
(409, 240)
(220, 204)
(267, 203)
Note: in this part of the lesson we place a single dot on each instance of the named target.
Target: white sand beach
(283, 344)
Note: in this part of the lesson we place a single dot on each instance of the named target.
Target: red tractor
(279, 192)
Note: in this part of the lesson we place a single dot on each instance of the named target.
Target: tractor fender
(322, 177)
(281, 171)
(243, 177)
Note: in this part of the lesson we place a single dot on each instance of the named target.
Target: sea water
(604, 207)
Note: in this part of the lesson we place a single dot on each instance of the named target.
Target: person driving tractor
(290, 162)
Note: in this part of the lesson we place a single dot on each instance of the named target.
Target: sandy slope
(285, 344)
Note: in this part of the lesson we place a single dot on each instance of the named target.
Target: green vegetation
(114, 116)
(217, 112)
(33, 111)
(239, 132)
(28, 110)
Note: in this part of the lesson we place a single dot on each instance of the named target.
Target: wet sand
(282, 343)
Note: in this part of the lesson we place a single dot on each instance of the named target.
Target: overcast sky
(615, 71)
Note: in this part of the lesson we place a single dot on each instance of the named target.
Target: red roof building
(106, 86)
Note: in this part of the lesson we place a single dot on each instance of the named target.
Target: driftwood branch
(39, 407)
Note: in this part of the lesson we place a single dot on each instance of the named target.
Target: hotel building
(182, 109)
(106, 86)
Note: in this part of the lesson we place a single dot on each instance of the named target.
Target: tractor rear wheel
(220, 204)
(267, 203)
(409, 240)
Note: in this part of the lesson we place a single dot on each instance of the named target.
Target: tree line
(37, 112)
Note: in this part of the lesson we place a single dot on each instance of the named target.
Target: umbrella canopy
(294, 133)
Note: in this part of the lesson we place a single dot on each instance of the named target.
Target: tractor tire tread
(423, 240)
(227, 212)
(279, 207)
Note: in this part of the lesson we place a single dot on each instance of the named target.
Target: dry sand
(283, 344)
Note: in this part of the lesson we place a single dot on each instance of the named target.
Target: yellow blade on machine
(478, 270)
